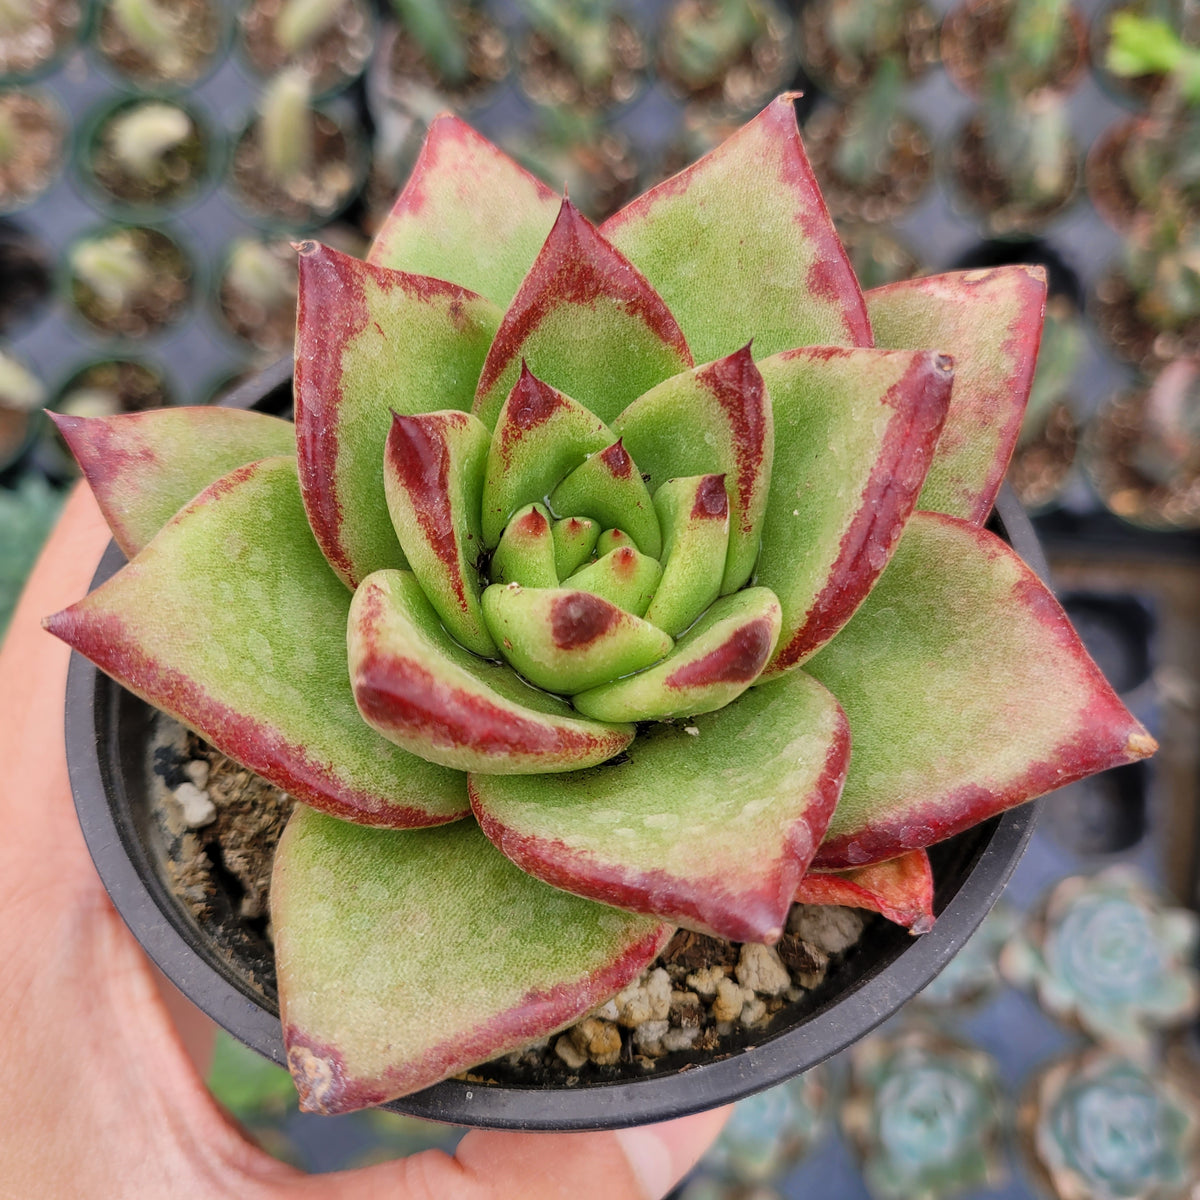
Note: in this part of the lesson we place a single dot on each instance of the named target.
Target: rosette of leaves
(1101, 1128)
(926, 1115)
(616, 539)
(770, 1132)
(1110, 955)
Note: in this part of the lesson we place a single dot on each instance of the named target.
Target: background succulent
(926, 1115)
(1102, 1128)
(496, 385)
(1109, 954)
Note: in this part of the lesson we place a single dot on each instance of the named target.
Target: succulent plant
(926, 1115)
(770, 1132)
(1107, 953)
(1101, 1128)
(610, 538)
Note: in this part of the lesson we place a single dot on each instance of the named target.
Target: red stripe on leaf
(920, 401)
(577, 266)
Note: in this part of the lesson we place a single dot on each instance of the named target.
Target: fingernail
(649, 1158)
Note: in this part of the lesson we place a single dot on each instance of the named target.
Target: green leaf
(586, 322)
(433, 480)
(574, 540)
(711, 665)
(689, 824)
(468, 214)
(143, 467)
(714, 419)
(990, 322)
(541, 436)
(855, 432)
(231, 621)
(610, 489)
(967, 692)
(623, 576)
(566, 640)
(694, 515)
(422, 690)
(408, 957)
(526, 551)
(741, 247)
(370, 342)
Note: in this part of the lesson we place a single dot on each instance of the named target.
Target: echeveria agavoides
(608, 537)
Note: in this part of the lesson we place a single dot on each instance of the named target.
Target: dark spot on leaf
(579, 619)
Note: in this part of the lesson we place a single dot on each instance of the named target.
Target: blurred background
(157, 157)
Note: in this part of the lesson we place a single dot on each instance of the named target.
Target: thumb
(641, 1163)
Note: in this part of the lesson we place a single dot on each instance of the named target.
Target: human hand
(103, 1097)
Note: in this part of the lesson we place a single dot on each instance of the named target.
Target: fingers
(631, 1164)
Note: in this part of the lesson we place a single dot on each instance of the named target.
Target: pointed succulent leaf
(232, 622)
(990, 321)
(688, 825)
(526, 551)
(624, 577)
(711, 665)
(432, 476)
(423, 691)
(406, 956)
(610, 489)
(612, 539)
(468, 214)
(855, 432)
(586, 322)
(541, 436)
(968, 692)
(901, 889)
(740, 245)
(715, 419)
(694, 514)
(574, 540)
(566, 640)
(142, 467)
(370, 342)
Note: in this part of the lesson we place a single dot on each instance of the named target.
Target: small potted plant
(295, 166)
(842, 42)
(128, 281)
(1143, 449)
(33, 133)
(34, 34)
(559, 609)
(1147, 305)
(330, 40)
(1034, 43)
(1137, 83)
(734, 54)
(1014, 163)
(143, 157)
(437, 56)
(1139, 161)
(872, 161)
(157, 46)
(585, 53)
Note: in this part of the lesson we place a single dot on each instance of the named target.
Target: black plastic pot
(107, 730)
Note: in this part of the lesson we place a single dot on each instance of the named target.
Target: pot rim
(176, 947)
